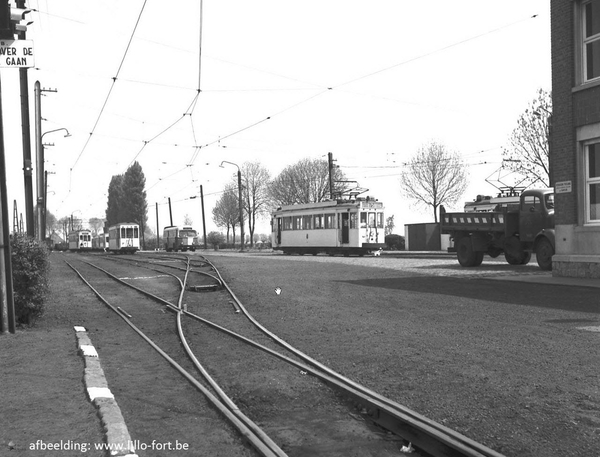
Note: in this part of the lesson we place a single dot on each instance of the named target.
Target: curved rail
(423, 432)
(255, 436)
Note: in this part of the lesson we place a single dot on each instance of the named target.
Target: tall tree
(134, 195)
(226, 211)
(114, 207)
(255, 193)
(529, 143)
(434, 176)
(127, 198)
(307, 181)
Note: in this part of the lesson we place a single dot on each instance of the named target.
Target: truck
(516, 230)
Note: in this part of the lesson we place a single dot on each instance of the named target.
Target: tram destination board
(16, 54)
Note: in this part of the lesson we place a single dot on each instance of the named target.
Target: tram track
(424, 434)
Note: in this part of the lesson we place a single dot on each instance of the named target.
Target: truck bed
(477, 222)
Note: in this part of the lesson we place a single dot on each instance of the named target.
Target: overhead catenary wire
(114, 80)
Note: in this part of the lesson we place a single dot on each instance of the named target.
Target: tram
(348, 227)
(180, 238)
(124, 238)
(80, 240)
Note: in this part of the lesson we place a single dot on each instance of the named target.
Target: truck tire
(465, 254)
(543, 253)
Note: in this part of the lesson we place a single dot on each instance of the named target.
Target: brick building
(575, 139)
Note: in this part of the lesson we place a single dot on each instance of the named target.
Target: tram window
(129, 232)
(379, 220)
(329, 221)
(298, 223)
(372, 220)
(307, 221)
(363, 219)
(287, 223)
(318, 221)
(136, 232)
(353, 220)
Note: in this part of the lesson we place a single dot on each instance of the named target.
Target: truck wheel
(526, 258)
(543, 253)
(478, 258)
(465, 254)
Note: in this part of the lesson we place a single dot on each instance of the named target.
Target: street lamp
(41, 184)
(239, 176)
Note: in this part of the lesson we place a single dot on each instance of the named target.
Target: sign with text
(563, 187)
(16, 54)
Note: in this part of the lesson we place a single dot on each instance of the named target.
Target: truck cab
(536, 213)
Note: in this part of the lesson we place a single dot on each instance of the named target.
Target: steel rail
(428, 434)
(235, 416)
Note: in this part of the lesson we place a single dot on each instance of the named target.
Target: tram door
(345, 228)
(279, 222)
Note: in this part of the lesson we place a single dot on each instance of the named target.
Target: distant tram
(80, 240)
(180, 238)
(124, 238)
(348, 227)
(100, 242)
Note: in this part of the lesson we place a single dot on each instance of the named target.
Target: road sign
(16, 54)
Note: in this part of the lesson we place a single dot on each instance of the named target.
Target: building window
(591, 39)
(592, 184)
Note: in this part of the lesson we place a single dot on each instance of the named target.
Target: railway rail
(425, 435)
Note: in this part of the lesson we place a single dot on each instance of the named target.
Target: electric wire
(114, 80)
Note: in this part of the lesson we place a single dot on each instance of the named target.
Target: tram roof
(371, 203)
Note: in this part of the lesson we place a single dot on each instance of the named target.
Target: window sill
(587, 85)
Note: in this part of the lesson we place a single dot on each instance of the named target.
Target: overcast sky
(275, 81)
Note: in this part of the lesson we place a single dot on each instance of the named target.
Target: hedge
(30, 267)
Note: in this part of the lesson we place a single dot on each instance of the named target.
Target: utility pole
(203, 219)
(7, 304)
(157, 230)
(330, 159)
(26, 133)
(39, 149)
(170, 213)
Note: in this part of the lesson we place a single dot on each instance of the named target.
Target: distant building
(575, 136)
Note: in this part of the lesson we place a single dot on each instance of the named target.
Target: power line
(111, 87)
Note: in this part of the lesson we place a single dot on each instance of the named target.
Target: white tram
(124, 238)
(343, 226)
(80, 240)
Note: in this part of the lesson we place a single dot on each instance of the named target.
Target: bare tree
(96, 224)
(389, 225)
(528, 152)
(255, 193)
(307, 181)
(433, 177)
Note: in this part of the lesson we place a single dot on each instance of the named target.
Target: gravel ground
(505, 363)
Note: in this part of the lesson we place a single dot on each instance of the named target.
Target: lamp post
(41, 184)
(239, 176)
